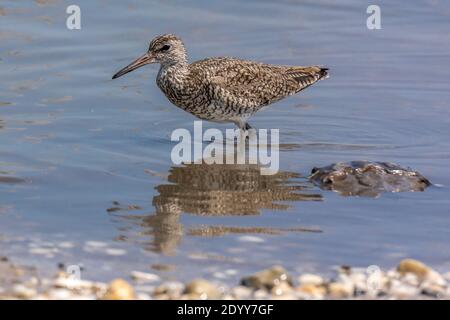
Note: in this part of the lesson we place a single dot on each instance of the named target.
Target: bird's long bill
(139, 62)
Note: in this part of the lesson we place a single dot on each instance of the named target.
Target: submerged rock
(364, 178)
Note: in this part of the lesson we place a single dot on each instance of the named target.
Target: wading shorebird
(221, 89)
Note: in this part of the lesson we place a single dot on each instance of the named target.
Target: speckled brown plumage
(222, 89)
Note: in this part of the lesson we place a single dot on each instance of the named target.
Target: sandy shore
(411, 279)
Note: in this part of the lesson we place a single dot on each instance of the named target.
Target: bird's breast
(180, 91)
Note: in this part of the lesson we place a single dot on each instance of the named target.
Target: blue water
(78, 141)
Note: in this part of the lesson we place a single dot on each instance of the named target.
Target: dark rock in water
(364, 178)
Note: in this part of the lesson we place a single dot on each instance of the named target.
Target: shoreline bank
(411, 279)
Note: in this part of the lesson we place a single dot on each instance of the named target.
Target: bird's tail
(306, 76)
(323, 73)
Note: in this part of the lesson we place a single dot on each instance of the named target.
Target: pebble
(286, 296)
(267, 279)
(281, 289)
(403, 291)
(165, 296)
(361, 282)
(251, 239)
(172, 289)
(96, 244)
(241, 292)
(59, 294)
(66, 245)
(73, 283)
(261, 294)
(413, 266)
(144, 277)
(119, 289)
(219, 275)
(339, 290)
(202, 289)
(143, 296)
(309, 278)
(23, 292)
(145, 288)
(422, 271)
(311, 291)
(115, 251)
(231, 272)
(411, 279)
(446, 276)
(433, 290)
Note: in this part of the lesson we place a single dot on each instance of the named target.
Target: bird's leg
(246, 129)
(252, 136)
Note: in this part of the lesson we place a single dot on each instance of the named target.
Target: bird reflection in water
(217, 190)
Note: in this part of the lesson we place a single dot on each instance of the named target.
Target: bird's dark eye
(165, 48)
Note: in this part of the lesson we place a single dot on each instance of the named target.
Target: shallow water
(86, 175)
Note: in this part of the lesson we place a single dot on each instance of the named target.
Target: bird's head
(166, 49)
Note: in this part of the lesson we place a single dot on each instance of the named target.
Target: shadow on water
(217, 190)
(10, 180)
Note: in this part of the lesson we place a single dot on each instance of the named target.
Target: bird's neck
(173, 75)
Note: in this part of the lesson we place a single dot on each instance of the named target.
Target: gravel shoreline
(411, 279)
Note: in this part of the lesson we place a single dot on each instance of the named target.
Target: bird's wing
(251, 84)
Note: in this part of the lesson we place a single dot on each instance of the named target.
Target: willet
(221, 89)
